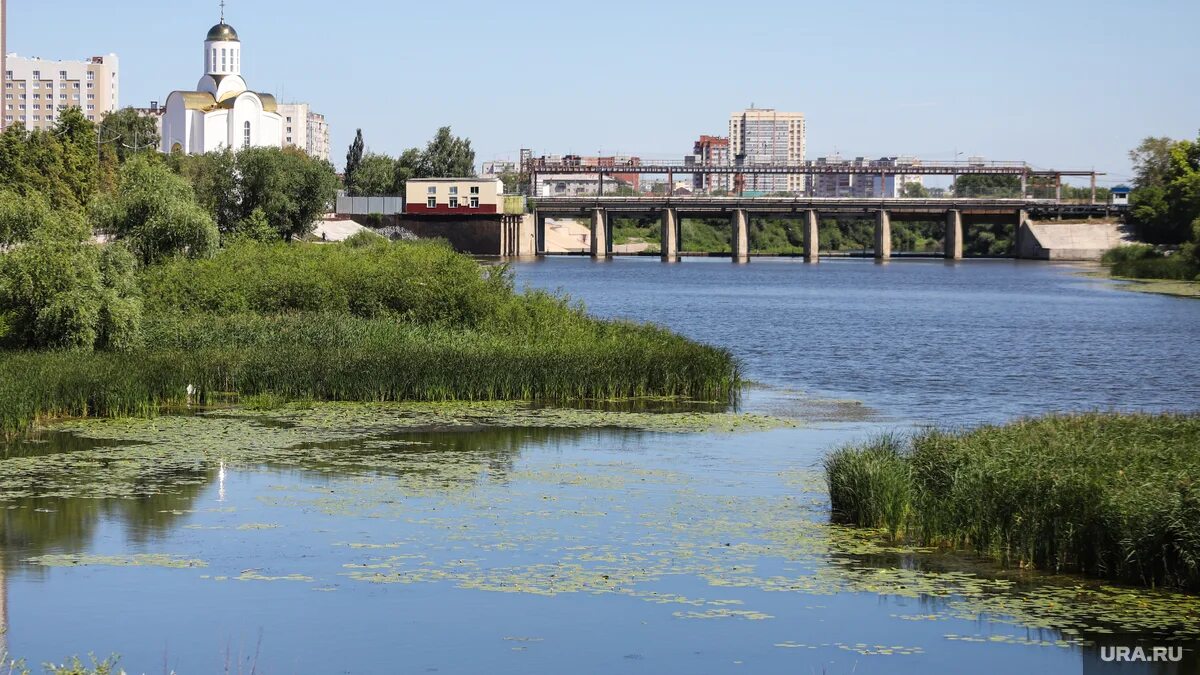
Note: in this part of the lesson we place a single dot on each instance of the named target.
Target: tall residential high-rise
(305, 129)
(3, 44)
(711, 151)
(37, 90)
(766, 136)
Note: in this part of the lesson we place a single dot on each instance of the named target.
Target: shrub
(59, 291)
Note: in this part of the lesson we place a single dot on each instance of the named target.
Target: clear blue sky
(1067, 83)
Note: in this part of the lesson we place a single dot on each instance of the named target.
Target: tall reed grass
(372, 322)
(1111, 495)
(342, 358)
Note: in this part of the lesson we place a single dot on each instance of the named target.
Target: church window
(223, 59)
(214, 59)
(246, 142)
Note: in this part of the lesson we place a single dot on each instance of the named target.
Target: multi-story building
(37, 90)
(767, 136)
(305, 129)
(577, 184)
(3, 44)
(866, 182)
(454, 196)
(499, 166)
(711, 151)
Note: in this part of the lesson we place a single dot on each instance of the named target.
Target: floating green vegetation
(136, 560)
(858, 648)
(467, 503)
(1116, 496)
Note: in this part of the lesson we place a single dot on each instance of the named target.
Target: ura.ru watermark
(1141, 654)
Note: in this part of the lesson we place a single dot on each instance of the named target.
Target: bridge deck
(789, 205)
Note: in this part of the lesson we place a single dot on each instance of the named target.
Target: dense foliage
(368, 320)
(1165, 204)
(1109, 495)
(369, 173)
(59, 291)
(261, 193)
(155, 211)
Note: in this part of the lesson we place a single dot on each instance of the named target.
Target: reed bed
(1111, 495)
(344, 358)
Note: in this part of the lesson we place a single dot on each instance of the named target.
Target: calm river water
(341, 541)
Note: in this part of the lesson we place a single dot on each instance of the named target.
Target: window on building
(91, 97)
(453, 189)
(62, 97)
(289, 139)
(62, 74)
(246, 141)
(454, 202)
(223, 60)
(8, 74)
(475, 189)
(91, 107)
(432, 190)
(91, 85)
(74, 85)
(91, 75)
(37, 74)
(431, 202)
(474, 202)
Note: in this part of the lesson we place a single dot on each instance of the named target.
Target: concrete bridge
(955, 213)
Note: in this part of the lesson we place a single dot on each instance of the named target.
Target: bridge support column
(670, 235)
(812, 237)
(539, 228)
(954, 235)
(600, 243)
(883, 235)
(741, 236)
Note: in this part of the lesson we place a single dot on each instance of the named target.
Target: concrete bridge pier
(601, 242)
(741, 236)
(812, 238)
(883, 235)
(954, 235)
(670, 235)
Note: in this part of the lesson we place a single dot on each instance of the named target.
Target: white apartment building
(767, 136)
(305, 129)
(37, 91)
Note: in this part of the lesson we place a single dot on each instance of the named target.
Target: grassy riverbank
(1149, 271)
(376, 322)
(1111, 495)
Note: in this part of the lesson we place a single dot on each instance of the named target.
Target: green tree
(1165, 204)
(915, 191)
(408, 166)
(76, 138)
(376, 176)
(60, 291)
(987, 185)
(129, 132)
(354, 157)
(20, 216)
(447, 156)
(155, 211)
(214, 179)
(291, 189)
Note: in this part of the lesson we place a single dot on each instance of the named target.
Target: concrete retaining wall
(1052, 240)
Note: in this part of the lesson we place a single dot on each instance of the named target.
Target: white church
(222, 112)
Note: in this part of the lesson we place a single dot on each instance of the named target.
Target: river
(338, 540)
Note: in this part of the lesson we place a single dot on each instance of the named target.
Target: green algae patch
(137, 560)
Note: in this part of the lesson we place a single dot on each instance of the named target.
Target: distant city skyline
(1069, 84)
